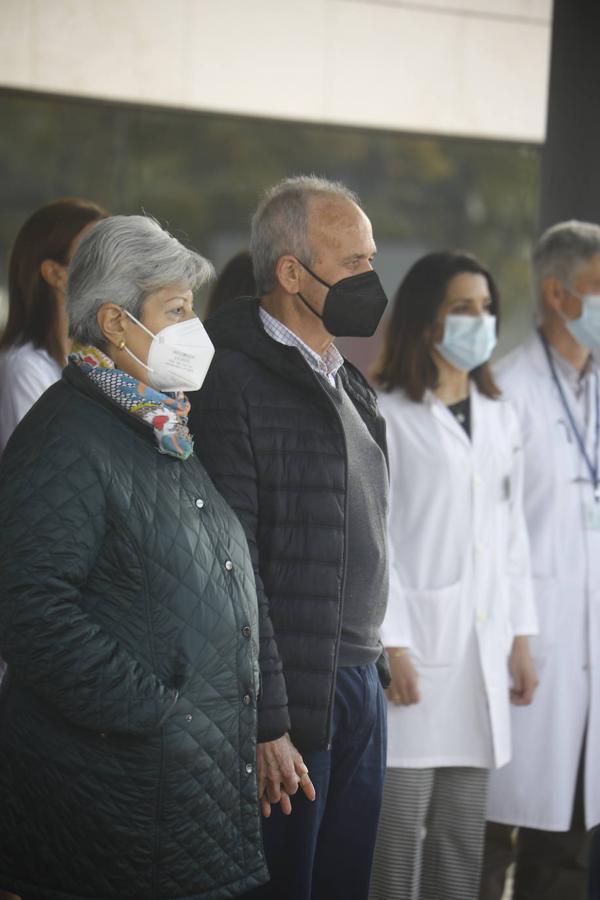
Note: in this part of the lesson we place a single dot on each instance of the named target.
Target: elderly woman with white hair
(127, 606)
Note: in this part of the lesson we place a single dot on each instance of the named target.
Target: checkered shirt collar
(327, 365)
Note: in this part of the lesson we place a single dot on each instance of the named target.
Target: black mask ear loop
(320, 280)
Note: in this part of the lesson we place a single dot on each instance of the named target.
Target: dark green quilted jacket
(128, 620)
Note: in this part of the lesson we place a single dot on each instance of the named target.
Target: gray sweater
(366, 587)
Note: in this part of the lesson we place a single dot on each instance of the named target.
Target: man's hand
(403, 689)
(279, 770)
(522, 670)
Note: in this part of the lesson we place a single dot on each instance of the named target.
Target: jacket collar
(83, 385)
(237, 326)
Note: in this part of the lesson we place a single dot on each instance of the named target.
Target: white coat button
(480, 549)
(199, 502)
(246, 699)
(481, 617)
(477, 480)
(229, 565)
(249, 768)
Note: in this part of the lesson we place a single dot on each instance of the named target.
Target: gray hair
(562, 251)
(121, 260)
(280, 224)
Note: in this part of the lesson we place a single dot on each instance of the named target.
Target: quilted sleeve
(52, 509)
(223, 441)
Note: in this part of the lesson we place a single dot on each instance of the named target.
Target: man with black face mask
(291, 435)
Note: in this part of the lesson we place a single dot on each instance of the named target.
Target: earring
(120, 345)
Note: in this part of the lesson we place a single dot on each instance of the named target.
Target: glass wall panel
(201, 174)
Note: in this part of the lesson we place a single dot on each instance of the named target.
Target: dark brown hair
(236, 280)
(406, 359)
(47, 234)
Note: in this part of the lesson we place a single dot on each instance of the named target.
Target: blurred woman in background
(35, 345)
(236, 280)
(460, 603)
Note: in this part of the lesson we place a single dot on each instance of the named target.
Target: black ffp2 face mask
(353, 306)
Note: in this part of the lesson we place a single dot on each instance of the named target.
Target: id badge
(592, 515)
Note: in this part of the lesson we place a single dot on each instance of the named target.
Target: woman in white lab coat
(461, 601)
(35, 344)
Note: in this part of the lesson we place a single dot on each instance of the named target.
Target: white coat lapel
(480, 434)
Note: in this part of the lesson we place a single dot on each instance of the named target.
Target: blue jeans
(324, 849)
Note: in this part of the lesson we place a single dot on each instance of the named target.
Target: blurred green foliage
(201, 174)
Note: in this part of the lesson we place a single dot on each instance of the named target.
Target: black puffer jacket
(272, 440)
(128, 619)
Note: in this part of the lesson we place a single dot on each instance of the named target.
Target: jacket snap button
(102, 734)
(246, 699)
(246, 631)
(199, 502)
(249, 768)
(229, 565)
(188, 718)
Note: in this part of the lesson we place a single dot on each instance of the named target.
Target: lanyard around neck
(592, 466)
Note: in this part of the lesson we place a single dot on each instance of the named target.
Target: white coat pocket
(437, 625)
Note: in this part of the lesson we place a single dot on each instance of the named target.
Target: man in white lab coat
(551, 789)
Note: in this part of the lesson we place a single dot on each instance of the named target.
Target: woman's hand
(403, 689)
(280, 772)
(522, 670)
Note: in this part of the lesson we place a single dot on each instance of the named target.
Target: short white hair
(121, 260)
(562, 251)
(280, 224)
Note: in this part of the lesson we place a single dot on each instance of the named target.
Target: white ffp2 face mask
(179, 356)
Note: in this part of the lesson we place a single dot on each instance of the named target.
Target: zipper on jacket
(372, 411)
(343, 587)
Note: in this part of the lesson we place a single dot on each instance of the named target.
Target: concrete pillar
(570, 178)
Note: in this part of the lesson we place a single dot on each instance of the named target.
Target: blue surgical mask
(586, 329)
(468, 341)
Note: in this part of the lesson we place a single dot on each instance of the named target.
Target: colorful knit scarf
(166, 413)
